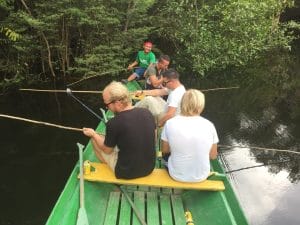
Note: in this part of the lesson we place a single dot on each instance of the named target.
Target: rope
(86, 78)
(40, 122)
(259, 148)
(63, 91)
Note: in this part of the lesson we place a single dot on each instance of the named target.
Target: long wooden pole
(80, 129)
(217, 89)
(61, 91)
(100, 92)
(86, 78)
(40, 122)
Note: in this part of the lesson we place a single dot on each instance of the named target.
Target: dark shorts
(165, 158)
(140, 72)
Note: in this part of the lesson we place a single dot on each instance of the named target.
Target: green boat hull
(105, 204)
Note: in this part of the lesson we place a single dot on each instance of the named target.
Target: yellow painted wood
(137, 98)
(158, 178)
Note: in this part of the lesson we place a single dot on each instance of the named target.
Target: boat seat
(154, 207)
(100, 172)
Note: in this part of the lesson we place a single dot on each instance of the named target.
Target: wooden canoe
(105, 204)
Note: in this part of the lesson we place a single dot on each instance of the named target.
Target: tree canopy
(43, 40)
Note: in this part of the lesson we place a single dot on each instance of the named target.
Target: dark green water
(36, 160)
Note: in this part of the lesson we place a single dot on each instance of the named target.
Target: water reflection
(36, 161)
(265, 181)
(264, 193)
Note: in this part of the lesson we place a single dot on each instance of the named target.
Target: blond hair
(192, 103)
(118, 92)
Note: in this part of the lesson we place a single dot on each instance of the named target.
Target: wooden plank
(165, 210)
(158, 178)
(167, 190)
(178, 210)
(152, 208)
(155, 189)
(139, 202)
(125, 211)
(143, 188)
(177, 191)
(112, 208)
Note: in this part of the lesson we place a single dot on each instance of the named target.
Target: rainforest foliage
(44, 40)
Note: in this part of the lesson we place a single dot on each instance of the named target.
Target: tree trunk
(62, 49)
(129, 9)
(45, 40)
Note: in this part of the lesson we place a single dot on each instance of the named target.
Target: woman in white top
(190, 139)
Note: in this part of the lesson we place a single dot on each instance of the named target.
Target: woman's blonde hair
(118, 92)
(192, 103)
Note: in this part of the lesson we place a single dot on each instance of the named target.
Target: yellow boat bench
(100, 172)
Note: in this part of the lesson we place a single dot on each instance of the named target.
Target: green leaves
(219, 34)
(10, 34)
(94, 36)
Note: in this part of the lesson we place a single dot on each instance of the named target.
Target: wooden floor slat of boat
(125, 212)
(157, 207)
(139, 202)
(152, 208)
(111, 215)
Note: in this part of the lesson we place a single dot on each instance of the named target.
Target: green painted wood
(143, 188)
(167, 190)
(206, 207)
(131, 188)
(96, 200)
(165, 210)
(125, 212)
(139, 202)
(152, 208)
(155, 189)
(177, 191)
(178, 210)
(112, 209)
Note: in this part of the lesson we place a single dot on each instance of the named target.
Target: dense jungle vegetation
(63, 40)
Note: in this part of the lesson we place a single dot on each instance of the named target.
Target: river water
(37, 160)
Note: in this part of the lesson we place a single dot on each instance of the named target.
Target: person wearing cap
(143, 60)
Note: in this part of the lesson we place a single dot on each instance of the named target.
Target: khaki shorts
(156, 105)
(111, 159)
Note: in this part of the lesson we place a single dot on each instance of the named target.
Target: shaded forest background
(67, 40)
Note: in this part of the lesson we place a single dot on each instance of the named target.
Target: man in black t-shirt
(129, 145)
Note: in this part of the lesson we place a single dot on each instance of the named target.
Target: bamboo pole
(100, 92)
(259, 148)
(217, 89)
(61, 91)
(80, 129)
(97, 75)
(40, 122)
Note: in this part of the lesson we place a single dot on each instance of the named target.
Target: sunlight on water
(263, 194)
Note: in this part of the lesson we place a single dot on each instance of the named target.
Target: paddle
(82, 216)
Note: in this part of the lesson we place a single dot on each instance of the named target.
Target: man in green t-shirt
(143, 60)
